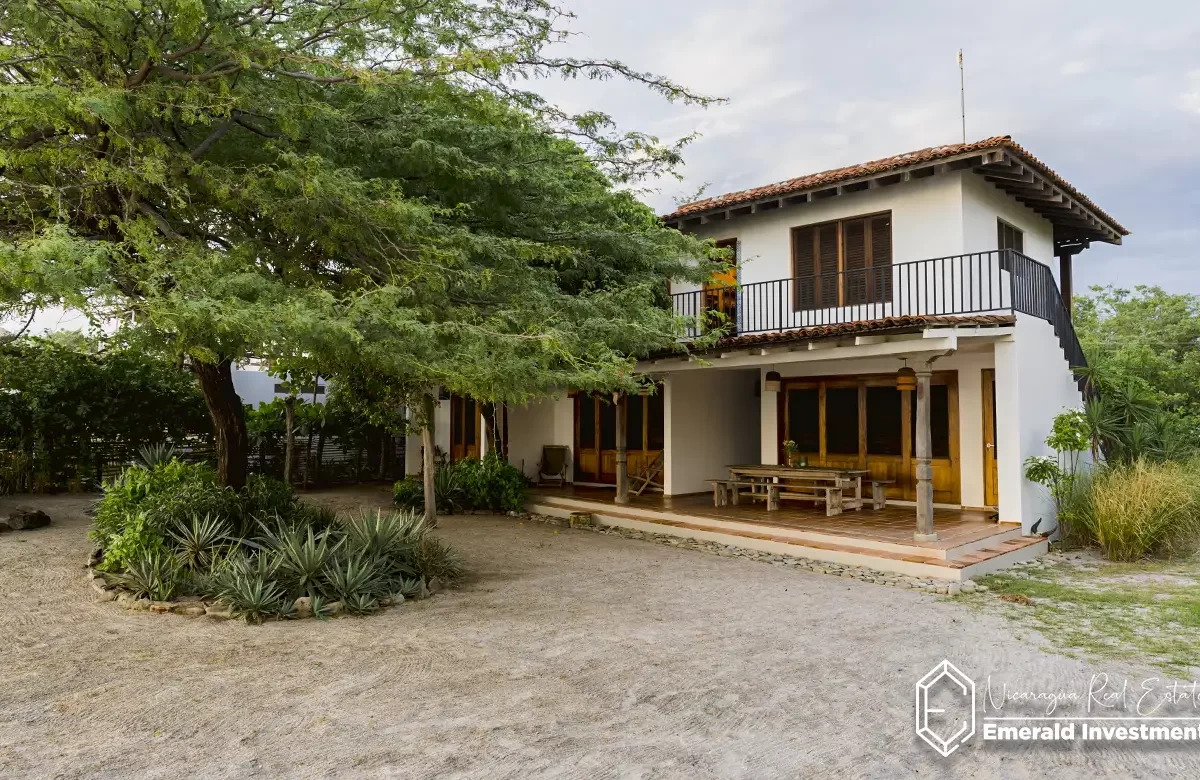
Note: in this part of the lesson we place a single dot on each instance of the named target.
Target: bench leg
(772, 497)
(878, 499)
(833, 501)
(734, 491)
(718, 488)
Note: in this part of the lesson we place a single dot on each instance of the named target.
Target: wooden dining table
(849, 480)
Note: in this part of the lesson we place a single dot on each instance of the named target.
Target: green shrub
(488, 483)
(434, 557)
(266, 495)
(249, 593)
(408, 493)
(303, 556)
(198, 540)
(350, 574)
(1140, 508)
(153, 574)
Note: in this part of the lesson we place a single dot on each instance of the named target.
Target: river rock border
(196, 606)
(584, 521)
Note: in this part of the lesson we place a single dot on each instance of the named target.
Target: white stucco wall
(983, 204)
(530, 427)
(441, 438)
(711, 421)
(257, 387)
(1033, 384)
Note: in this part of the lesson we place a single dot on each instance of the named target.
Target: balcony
(995, 282)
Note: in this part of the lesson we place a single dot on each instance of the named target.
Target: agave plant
(448, 491)
(152, 455)
(362, 604)
(320, 607)
(302, 556)
(433, 557)
(412, 588)
(382, 533)
(198, 539)
(154, 575)
(241, 584)
(352, 573)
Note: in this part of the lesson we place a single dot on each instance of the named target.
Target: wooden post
(622, 463)
(289, 415)
(428, 405)
(924, 445)
(1064, 276)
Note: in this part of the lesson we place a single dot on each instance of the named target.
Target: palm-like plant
(351, 573)
(154, 575)
(151, 455)
(302, 556)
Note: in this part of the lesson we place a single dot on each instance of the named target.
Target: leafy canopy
(355, 183)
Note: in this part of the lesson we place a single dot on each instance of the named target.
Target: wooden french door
(596, 434)
(865, 422)
(991, 481)
(720, 293)
(464, 427)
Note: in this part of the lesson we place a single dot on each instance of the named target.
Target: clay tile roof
(886, 165)
(903, 323)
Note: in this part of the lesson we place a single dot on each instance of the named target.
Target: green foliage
(408, 493)
(1144, 346)
(64, 398)
(303, 556)
(1141, 508)
(199, 540)
(151, 455)
(136, 540)
(353, 573)
(434, 557)
(489, 483)
(264, 495)
(154, 574)
(249, 590)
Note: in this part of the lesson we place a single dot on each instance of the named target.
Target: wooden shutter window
(854, 261)
(827, 265)
(804, 268)
(880, 280)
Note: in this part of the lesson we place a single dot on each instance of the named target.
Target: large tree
(356, 183)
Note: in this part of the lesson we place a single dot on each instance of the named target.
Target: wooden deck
(893, 524)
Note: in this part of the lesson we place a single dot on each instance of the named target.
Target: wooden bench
(726, 489)
(878, 488)
(818, 490)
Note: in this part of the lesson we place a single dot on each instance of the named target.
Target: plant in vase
(789, 452)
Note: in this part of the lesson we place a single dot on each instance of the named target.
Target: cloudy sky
(1107, 92)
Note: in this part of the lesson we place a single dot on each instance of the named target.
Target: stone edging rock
(196, 606)
(581, 521)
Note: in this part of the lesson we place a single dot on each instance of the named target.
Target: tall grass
(1138, 509)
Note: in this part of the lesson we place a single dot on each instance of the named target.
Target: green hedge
(489, 483)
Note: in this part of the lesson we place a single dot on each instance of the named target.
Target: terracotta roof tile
(875, 167)
(907, 322)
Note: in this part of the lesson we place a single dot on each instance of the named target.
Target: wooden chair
(645, 476)
(556, 458)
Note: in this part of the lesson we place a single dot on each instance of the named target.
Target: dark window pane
(635, 406)
(587, 423)
(841, 420)
(884, 421)
(654, 426)
(608, 425)
(470, 418)
(456, 429)
(939, 421)
(804, 417)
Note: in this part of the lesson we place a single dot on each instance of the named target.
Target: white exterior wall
(983, 204)
(1033, 385)
(441, 438)
(711, 420)
(535, 425)
(256, 387)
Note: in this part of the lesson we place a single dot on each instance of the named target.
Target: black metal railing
(993, 282)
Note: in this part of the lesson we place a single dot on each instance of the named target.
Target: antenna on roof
(962, 95)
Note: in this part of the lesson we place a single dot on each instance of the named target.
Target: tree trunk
(308, 447)
(320, 455)
(228, 419)
(289, 453)
(427, 439)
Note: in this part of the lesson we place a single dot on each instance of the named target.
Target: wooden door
(595, 439)
(464, 428)
(991, 489)
(720, 293)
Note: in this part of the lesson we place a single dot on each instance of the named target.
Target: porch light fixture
(906, 379)
(773, 383)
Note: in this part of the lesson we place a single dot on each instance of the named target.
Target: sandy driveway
(569, 655)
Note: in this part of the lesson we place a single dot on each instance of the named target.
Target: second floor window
(842, 263)
(1009, 237)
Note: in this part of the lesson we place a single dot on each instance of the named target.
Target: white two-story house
(918, 298)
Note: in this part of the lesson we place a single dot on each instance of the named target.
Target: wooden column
(924, 445)
(1064, 277)
(428, 464)
(622, 462)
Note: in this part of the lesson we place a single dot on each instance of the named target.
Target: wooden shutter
(854, 261)
(804, 268)
(827, 265)
(880, 279)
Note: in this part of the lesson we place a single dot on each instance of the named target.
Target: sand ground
(567, 654)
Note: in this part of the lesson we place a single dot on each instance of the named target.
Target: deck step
(914, 561)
